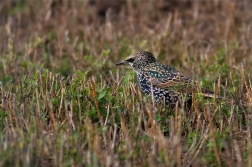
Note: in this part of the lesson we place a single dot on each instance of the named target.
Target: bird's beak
(120, 63)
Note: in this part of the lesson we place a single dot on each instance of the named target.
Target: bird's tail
(210, 94)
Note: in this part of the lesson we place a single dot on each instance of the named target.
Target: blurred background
(64, 36)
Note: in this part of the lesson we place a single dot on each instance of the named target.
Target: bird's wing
(177, 82)
(174, 80)
(166, 77)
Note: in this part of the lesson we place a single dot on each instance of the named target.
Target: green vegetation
(63, 102)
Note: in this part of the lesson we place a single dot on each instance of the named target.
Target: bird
(161, 81)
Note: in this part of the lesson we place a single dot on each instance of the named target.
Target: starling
(163, 82)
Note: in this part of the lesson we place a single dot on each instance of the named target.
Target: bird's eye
(130, 60)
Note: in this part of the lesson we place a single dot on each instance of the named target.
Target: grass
(65, 103)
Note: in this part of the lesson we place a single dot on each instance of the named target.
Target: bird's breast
(142, 80)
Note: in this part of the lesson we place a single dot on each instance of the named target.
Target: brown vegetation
(63, 102)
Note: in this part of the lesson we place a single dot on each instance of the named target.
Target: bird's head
(138, 60)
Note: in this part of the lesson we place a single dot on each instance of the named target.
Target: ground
(65, 103)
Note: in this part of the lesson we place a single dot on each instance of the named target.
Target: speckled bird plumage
(165, 82)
